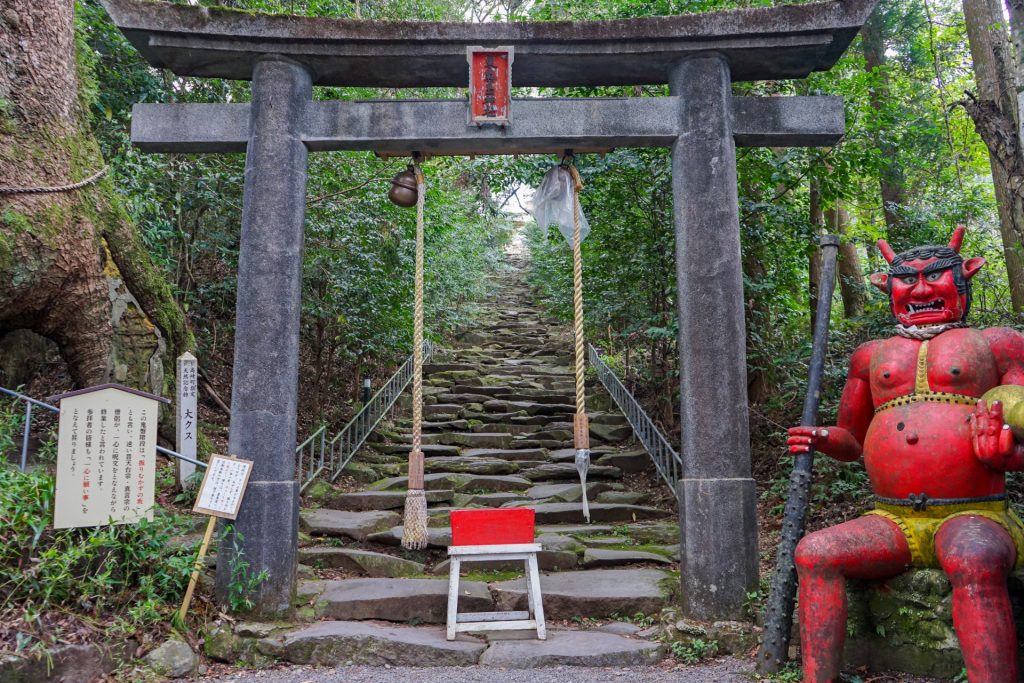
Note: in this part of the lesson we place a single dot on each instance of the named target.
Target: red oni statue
(936, 456)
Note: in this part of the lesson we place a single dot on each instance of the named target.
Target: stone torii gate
(698, 55)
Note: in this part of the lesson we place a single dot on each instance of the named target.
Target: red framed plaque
(490, 85)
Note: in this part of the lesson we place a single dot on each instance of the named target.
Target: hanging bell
(404, 188)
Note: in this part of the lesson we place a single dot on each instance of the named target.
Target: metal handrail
(666, 459)
(317, 454)
(29, 402)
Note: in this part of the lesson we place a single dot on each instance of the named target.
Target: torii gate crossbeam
(698, 55)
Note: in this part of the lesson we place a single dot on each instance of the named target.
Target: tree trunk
(1015, 10)
(995, 118)
(74, 269)
(891, 178)
(848, 268)
(817, 219)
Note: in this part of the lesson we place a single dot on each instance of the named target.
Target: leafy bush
(125, 576)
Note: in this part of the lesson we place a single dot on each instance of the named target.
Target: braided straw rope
(414, 533)
(581, 426)
(59, 188)
(577, 302)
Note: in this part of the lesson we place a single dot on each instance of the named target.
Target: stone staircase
(498, 434)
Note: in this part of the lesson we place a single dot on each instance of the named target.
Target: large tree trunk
(994, 111)
(72, 267)
(848, 269)
(891, 179)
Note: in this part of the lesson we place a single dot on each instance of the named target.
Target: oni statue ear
(880, 280)
(971, 266)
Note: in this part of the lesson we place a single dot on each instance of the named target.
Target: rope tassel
(414, 533)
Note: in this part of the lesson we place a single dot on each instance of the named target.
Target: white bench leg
(533, 591)
(454, 569)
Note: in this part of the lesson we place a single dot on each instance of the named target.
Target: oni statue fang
(937, 413)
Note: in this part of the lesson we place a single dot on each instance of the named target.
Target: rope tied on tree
(58, 188)
(414, 532)
(580, 423)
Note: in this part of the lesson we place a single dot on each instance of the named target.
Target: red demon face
(926, 296)
(928, 285)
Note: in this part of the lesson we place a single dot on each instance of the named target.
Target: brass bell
(404, 189)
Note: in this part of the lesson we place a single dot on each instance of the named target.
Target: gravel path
(726, 670)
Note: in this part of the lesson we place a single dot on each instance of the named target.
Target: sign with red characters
(490, 85)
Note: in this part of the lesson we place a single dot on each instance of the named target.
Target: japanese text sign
(490, 85)
(220, 494)
(106, 457)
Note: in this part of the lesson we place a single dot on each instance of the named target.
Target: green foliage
(123, 576)
(12, 420)
(694, 651)
(242, 581)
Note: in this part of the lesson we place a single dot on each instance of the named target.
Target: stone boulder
(173, 659)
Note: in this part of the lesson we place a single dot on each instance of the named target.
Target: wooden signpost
(220, 496)
(187, 414)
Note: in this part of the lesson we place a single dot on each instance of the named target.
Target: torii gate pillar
(264, 389)
(717, 497)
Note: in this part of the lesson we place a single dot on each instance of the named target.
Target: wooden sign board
(106, 456)
(220, 494)
(490, 85)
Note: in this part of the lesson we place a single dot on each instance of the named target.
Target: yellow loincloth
(920, 526)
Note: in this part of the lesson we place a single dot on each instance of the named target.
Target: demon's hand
(801, 439)
(994, 444)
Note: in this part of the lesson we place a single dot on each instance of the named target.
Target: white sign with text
(106, 458)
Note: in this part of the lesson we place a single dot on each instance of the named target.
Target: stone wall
(905, 624)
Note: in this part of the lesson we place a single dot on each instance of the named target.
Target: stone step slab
(547, 560)
(458, 482)
(365, 562)
(487, 500)
(437, 537)
(632, 461)
(441, 408)
(471, 439)
(623, 497)
(568, 493)
(590, 593)
(429, 450)
(403, 600)
(338, 643)
(572, 648)
(560, 513)
(348, 524)
(381, 500)
(470, 465)
(514, 454)
(606, 557)
(558, 471)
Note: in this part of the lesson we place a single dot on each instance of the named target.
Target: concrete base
(718, 556)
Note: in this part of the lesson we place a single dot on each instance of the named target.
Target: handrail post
(24, 437)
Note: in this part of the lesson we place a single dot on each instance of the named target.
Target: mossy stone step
(590, 593)
(402, 600)
(354, 525)
(609, 557)
(458, 482)
(365, 562)
(339, 643)
(380, 500)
